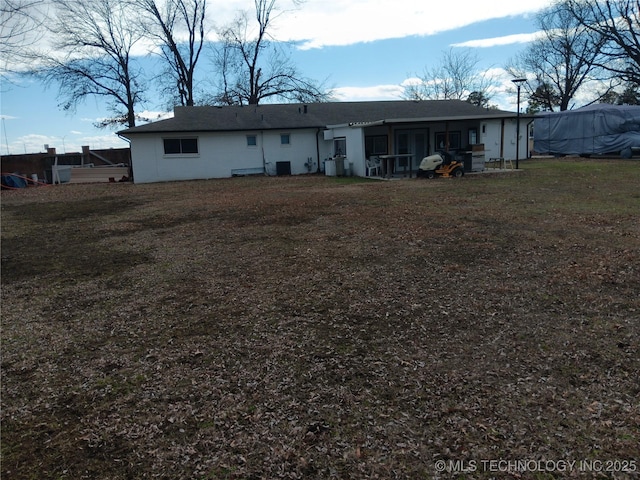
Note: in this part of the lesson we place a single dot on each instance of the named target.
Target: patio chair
(373, 166)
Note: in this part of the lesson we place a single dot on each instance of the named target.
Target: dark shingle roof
(314, 115)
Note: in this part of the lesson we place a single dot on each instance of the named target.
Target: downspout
(501, 138)
(318, 148)
(387, 163)
(264, 160)
(130, 156)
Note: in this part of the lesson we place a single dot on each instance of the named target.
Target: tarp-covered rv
(591, 130)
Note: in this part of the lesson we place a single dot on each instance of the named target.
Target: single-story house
(223, 141)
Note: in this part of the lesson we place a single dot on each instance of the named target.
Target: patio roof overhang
(390, 121)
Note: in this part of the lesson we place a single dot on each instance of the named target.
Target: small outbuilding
(282, 139)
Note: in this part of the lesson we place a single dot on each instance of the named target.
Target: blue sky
(366, 49)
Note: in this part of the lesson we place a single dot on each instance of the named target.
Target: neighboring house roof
(313, 115)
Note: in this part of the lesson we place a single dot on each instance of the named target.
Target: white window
(252, 141)
(285, 139)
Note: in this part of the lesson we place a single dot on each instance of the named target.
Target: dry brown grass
(312, 327)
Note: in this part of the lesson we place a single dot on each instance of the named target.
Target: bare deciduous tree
(456, 77)
(252, 67)
(617, 22)
(179, 27)
(543, 99)
(19, 28)
(93, 40)
(561, 62)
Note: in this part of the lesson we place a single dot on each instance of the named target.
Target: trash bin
(330, 167)
(339, 166)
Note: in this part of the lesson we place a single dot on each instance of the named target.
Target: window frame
(455, 138)
(182, 146)
(473, 136)
(288, 137)
(372, 142)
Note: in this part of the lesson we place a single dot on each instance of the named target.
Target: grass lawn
(312, 327)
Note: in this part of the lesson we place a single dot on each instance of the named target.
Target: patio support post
(518, 81)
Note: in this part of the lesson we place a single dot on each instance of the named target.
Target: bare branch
(618, 23)
(253, 67)
(20, 28)
(564, 61)
(179, 27)
(455, 77)
(93, 43)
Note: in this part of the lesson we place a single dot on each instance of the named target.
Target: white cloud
(97, 142)
(503, 96)
(375, 92)
(499, 41)
(321, 23)
(28, 144)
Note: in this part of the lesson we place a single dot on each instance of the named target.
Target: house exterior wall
(491, 136)
(355, 148)
(499, 138)
(300, 152)
(510, 134)
(221, 154)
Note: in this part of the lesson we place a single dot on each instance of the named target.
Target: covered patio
(395, 148)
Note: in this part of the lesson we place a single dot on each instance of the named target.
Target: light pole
(518, 81)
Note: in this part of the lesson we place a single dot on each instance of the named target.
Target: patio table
(389, 160)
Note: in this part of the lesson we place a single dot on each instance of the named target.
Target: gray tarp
(589, 130)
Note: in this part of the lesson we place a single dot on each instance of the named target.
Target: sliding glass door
(411, 141)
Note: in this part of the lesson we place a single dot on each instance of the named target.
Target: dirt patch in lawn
(309, 327)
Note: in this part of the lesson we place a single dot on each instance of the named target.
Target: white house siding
(221, 154)
(143, 158)
(301, 148)
(355, 154)
(497, 144)
(510, 127)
